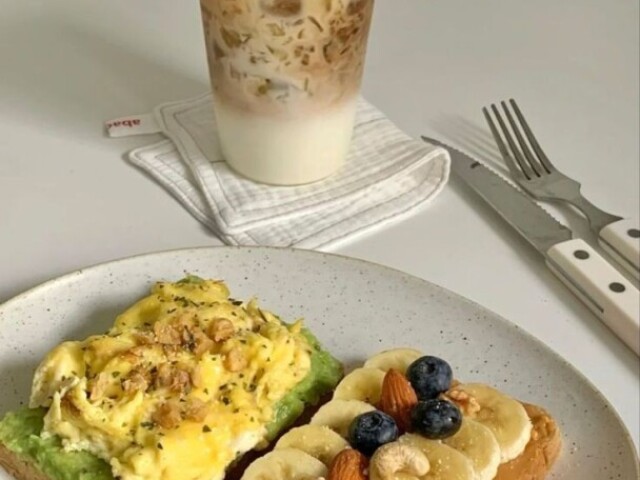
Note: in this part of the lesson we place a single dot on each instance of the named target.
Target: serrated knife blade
(587, 274)
(537, 226)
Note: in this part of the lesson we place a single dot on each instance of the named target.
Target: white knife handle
(621, 240)
(600, 286)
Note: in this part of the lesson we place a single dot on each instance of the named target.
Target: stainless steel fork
(534, 172)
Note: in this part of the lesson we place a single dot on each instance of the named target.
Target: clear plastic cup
(286, 75)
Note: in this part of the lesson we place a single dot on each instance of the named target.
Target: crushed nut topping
(167, 415)
(163, 376)
(196, 410)
(137, 381)
(133, 355)
(172, 352)
(173, 377)
(144, 338)
(201, 342)
(235, 360)
(167, 334)
(467, 404)
(220, 330)
(180, 381)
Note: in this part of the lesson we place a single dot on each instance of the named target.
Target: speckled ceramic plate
(357, 309)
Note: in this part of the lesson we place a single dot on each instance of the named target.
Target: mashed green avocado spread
(20, 430)
(20, 433)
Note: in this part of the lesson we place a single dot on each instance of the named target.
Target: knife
(583, 270)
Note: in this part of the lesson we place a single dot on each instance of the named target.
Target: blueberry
(436, 419)
(429, 377)
(371, 430)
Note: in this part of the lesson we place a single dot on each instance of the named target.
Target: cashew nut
(394, 458)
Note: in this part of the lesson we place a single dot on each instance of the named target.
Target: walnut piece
(467, 404)
(180, 381)
(174, 378)
(235, 360)
(201, 342)
(134, 354)
(167, 415)
(172, 352)
(167, 334)
(220, 330)
(144, 338)
(163, 376)
(137, 381)
(196, 410)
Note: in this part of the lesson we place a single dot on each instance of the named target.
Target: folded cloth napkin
(387, 175)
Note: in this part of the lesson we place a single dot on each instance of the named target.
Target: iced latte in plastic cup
(285, 77)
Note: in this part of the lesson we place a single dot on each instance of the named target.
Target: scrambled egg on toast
(186, 381)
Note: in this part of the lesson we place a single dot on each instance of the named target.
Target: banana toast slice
(402, 413)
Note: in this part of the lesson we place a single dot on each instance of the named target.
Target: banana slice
(446, 462)
(317, 440)
(338, 415)
(505, 417)
(363, 384)
(286, 464)
(397, 358)
(479, 445)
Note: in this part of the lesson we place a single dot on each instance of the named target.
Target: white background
(68, 198)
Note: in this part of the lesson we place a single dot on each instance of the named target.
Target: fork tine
(506, 156)
(524, 166)
(546, 163)
(524, 148)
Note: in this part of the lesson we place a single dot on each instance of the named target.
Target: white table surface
(68, 199)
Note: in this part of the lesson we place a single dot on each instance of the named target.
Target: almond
(398, 398)
(349, 464)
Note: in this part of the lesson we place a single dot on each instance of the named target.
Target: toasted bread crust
(19, 467)
(541, 452)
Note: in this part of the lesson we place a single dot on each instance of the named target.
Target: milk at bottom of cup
(286, 150)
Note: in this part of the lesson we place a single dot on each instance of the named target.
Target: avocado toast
(186, 381)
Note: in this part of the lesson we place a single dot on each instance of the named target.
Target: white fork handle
(600, 286)
(621, 240)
